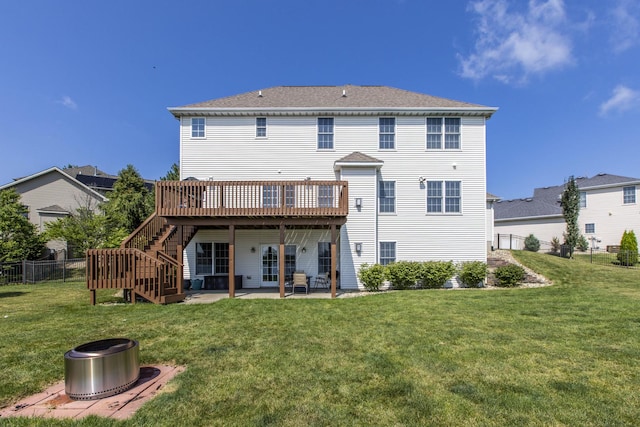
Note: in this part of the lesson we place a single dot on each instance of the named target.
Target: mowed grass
(567, 354)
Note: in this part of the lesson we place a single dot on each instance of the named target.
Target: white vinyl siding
(292, 154)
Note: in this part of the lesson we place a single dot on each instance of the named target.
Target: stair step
(168, 299)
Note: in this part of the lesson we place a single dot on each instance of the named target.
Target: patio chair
(300, 280)
(322, 281)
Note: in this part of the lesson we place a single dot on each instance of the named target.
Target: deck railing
(252, 198)
(145, 233)
(127, 268)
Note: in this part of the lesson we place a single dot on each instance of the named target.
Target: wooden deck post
(180, 273)
(93, 296)
(333, 260)
(232, 261)
(281, 261)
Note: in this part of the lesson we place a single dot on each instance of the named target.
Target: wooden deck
(252, 199)
(149, 261)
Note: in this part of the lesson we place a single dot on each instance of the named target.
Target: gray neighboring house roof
(347, 97)
(546, 200)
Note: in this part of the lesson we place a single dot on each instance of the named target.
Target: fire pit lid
(101, 348)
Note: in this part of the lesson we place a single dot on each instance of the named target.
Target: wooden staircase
(148, 264)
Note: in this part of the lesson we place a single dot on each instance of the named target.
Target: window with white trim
(387, 252)
(387, 197)
(324, 257)
(204, 258)
(221, 261)
(272, 197)
(325, 196)
(325, 133)
(629, 195)
(387, 135)
(589, 228)
(443, 128)
(197, 127)
(444, 196)
(583, 199)
(261, 127)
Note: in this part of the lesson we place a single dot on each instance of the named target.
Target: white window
(443, 128)
(272, 196)
(387, 252)
(261, 127)
(387, 197)
(325, 133)
(589, 228)
(387, 133)
(197, 127)
(325, 196)
(629, 195)
(444, 194)
(583, 199)
(212, 258)
(324, 257)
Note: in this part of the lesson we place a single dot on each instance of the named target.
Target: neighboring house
(608, 207)
(320, 179)
(491, 201)
(98, 180)
(52, 194)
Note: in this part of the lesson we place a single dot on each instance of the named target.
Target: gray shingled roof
(358, 157)
(546, 200)
(332, 97)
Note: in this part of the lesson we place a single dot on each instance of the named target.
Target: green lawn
(567, 354)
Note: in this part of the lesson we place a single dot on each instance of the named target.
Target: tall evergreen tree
(173, 174)
(19, 238)
(130, 202)
(570, 210)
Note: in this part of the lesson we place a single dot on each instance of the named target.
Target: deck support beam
(281, 261)
(334, 260)
(232, 261)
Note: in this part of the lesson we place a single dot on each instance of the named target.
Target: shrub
(403, 274)
(531, 243)
(509, 275)
(555, 244)
(628, 254)
(472, 273)
(371, 276)
(434, 274)
(583, 244)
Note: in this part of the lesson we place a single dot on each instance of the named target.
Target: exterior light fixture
(358, 202)
(358, 247)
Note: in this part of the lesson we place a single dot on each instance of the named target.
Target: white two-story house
(323, 179)
(608, 207)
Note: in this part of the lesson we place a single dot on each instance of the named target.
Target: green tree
(628, 254)
(19, 238)
(570, 203)
(173, 174)
(85, 229)
(130, 202)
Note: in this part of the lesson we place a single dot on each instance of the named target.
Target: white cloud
(622, 99)
(68, 102)
(625, 32)
(511, 46)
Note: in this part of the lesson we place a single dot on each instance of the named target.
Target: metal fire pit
(101, 368)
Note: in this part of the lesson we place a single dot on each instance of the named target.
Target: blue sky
(87, 82)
